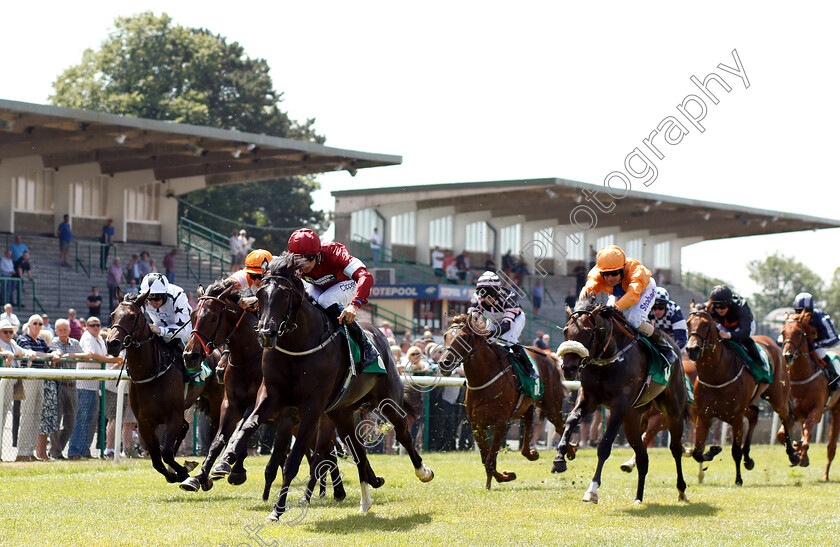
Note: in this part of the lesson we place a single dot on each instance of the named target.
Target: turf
(97, 503)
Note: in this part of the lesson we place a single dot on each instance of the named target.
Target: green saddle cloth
(763, 372)
(527, 385)
(204, 372)
(377, 367)
(689, 388)
(659, 369)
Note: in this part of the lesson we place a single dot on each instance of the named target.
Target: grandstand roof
(66, 136)
(555, 198)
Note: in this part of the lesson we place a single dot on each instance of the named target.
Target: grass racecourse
(97, 503)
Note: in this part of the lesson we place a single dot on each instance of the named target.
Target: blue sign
(423, 292)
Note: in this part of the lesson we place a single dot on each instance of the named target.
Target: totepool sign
(423, 292)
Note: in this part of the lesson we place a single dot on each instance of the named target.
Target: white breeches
(512, 336)
(639, 311)
(340, 293)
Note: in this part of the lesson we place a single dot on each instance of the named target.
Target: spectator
(508, 263)
(191, 300)
(593, 255)
(520, 270)
(94, 302)
(68, 399)
(9, 350)
(463, 263)
(65, 237)
(437, 261)
(22, 266)
(245, 242)
(39, 395)
(18, 248)
(46, 328)
(547, 341)
(152, 267)
(237, 253)
(416, 363)
(376, 246)
(111, 412)
(169, 264)
(447, 259)
(452, 273)
(427, 336)
(9, 316)
(143, 266)
(386, 329)
(76, 329)
(538, 341)
(537, 295)
(9, 286)
(580, 277)
(115, 277)
(409, 336)
(132, 287)
(88, 390)
(571, 300)
(490, 264)
(105, 239)
(133, 270)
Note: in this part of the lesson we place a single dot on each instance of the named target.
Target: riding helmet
(662, 296)
(611, 258)
(720, 295)
(155, 284)
(804, 301)
(304, 242)
(255, 259)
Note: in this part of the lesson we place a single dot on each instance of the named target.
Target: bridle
(288, 324)
(705, 340)
(472, 345)
(129, 340)
(598, 358)
(803, 341)
(210, 343)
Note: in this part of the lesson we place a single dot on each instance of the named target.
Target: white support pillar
(421, 241)
(61, 191)
(676, 256)
(169, 205)
(118, 199)
(10, 168)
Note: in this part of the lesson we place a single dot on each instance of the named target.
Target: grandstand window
(509, 238)
(403, 228)
(662, 255)
(362, 223)
(143, 203)
(34, 191)
(542, 238)
(89, 198)
(635, 248)
(476, 237)
(440, 232)
(575, 247)
(604, 241)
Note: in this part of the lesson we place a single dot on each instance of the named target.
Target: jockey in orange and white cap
(251, 275)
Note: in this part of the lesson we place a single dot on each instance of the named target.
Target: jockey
(631, 287)
(826, 335)
(499, 306)
(249, 278)
(666, 315)
(337, 281)
(734, 319)
(169, 311)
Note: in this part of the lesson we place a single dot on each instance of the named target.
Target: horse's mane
(458, 319)
(288, 265)
(586, 305)
(131, 297)
(804, 319)
(221, 285)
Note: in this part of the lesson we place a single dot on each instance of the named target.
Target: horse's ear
(692, 305)
(119, 294)
(265, 267)
(569, 311)
(227, 291)
(142, 299)
(200, 290)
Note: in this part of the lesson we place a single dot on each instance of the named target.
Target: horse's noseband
(287, 325)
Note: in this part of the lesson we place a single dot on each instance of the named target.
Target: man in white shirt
(376, 246)
(236, 251)
(10, 317)
(437, 261)
(10, 286)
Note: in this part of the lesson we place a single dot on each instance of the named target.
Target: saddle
(528, 386)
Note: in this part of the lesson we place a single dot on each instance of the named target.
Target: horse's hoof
(219, 472)
(192, 484)
(794, 459)
(637, 502)
(425, 474)
(376, 482)
(237, 478)
(559, 466)
(274, 516)
(749, 464)
(365, 505)
(207, 485)
(628, 466)
(682, 497)
(190, 465)
(804, 462)
(590, 497)
(739, 481)
(532, 456)
(713, 451)
(506, 476)
(339, 496)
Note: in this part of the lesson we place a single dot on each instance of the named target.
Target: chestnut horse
(492, 397)
(157, 393)
(612, 367)
(724, 392)
(305, 368)
(809, 387)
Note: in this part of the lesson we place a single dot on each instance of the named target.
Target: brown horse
(157, 394)
(724, 392)
(492, 396)
(654, 421)
(613, 368)
(809, 387)
(305, 369)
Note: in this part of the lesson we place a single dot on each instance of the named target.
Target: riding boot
(369, 353)
(660, 340)
(525, 361)
(752, 351)
(830, 372)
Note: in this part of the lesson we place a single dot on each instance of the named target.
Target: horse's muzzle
(788, 358)
(267, 338)
(192, 360)
(114, 347)
(693, 352)
(571, 366)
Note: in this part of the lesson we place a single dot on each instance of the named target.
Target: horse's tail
(412, 404)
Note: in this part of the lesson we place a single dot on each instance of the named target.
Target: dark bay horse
(492, 396)
(157, 395)
(724, 392)
(221, 322)
(809, 388)
(612, 368)
(305, 369)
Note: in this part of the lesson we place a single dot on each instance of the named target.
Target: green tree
(832, 296)
(701, 283)
(150, 67)
(780, 279)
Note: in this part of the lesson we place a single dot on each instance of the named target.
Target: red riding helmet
(304, 242)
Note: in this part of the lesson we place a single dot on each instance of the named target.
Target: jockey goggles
(612, 273)
(720, 305)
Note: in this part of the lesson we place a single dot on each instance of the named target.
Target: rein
(705, 345)
(598, 359)
(210, 345)
(799, 353)
(470, 354)
(130, 342)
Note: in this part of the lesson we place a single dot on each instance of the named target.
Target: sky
(469, 91)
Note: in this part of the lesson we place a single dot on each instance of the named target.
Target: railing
(209, 246)
(378, 314)
(402, 264)
(12, 285)
(36, 304)
(86, 257)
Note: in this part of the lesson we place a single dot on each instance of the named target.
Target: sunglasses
(94, 325)
(255, 276)
(720, 306)
(7, 332)
(156, 298)
(38, 324)
(611, 273)
(659, 308)
(310, 258)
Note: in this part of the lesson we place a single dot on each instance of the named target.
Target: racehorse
(653, 421)
(724, 392)
(157, 395)
(305, 369)
(809, 387)
(492, 396)
(221, 322)
(612, 367)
